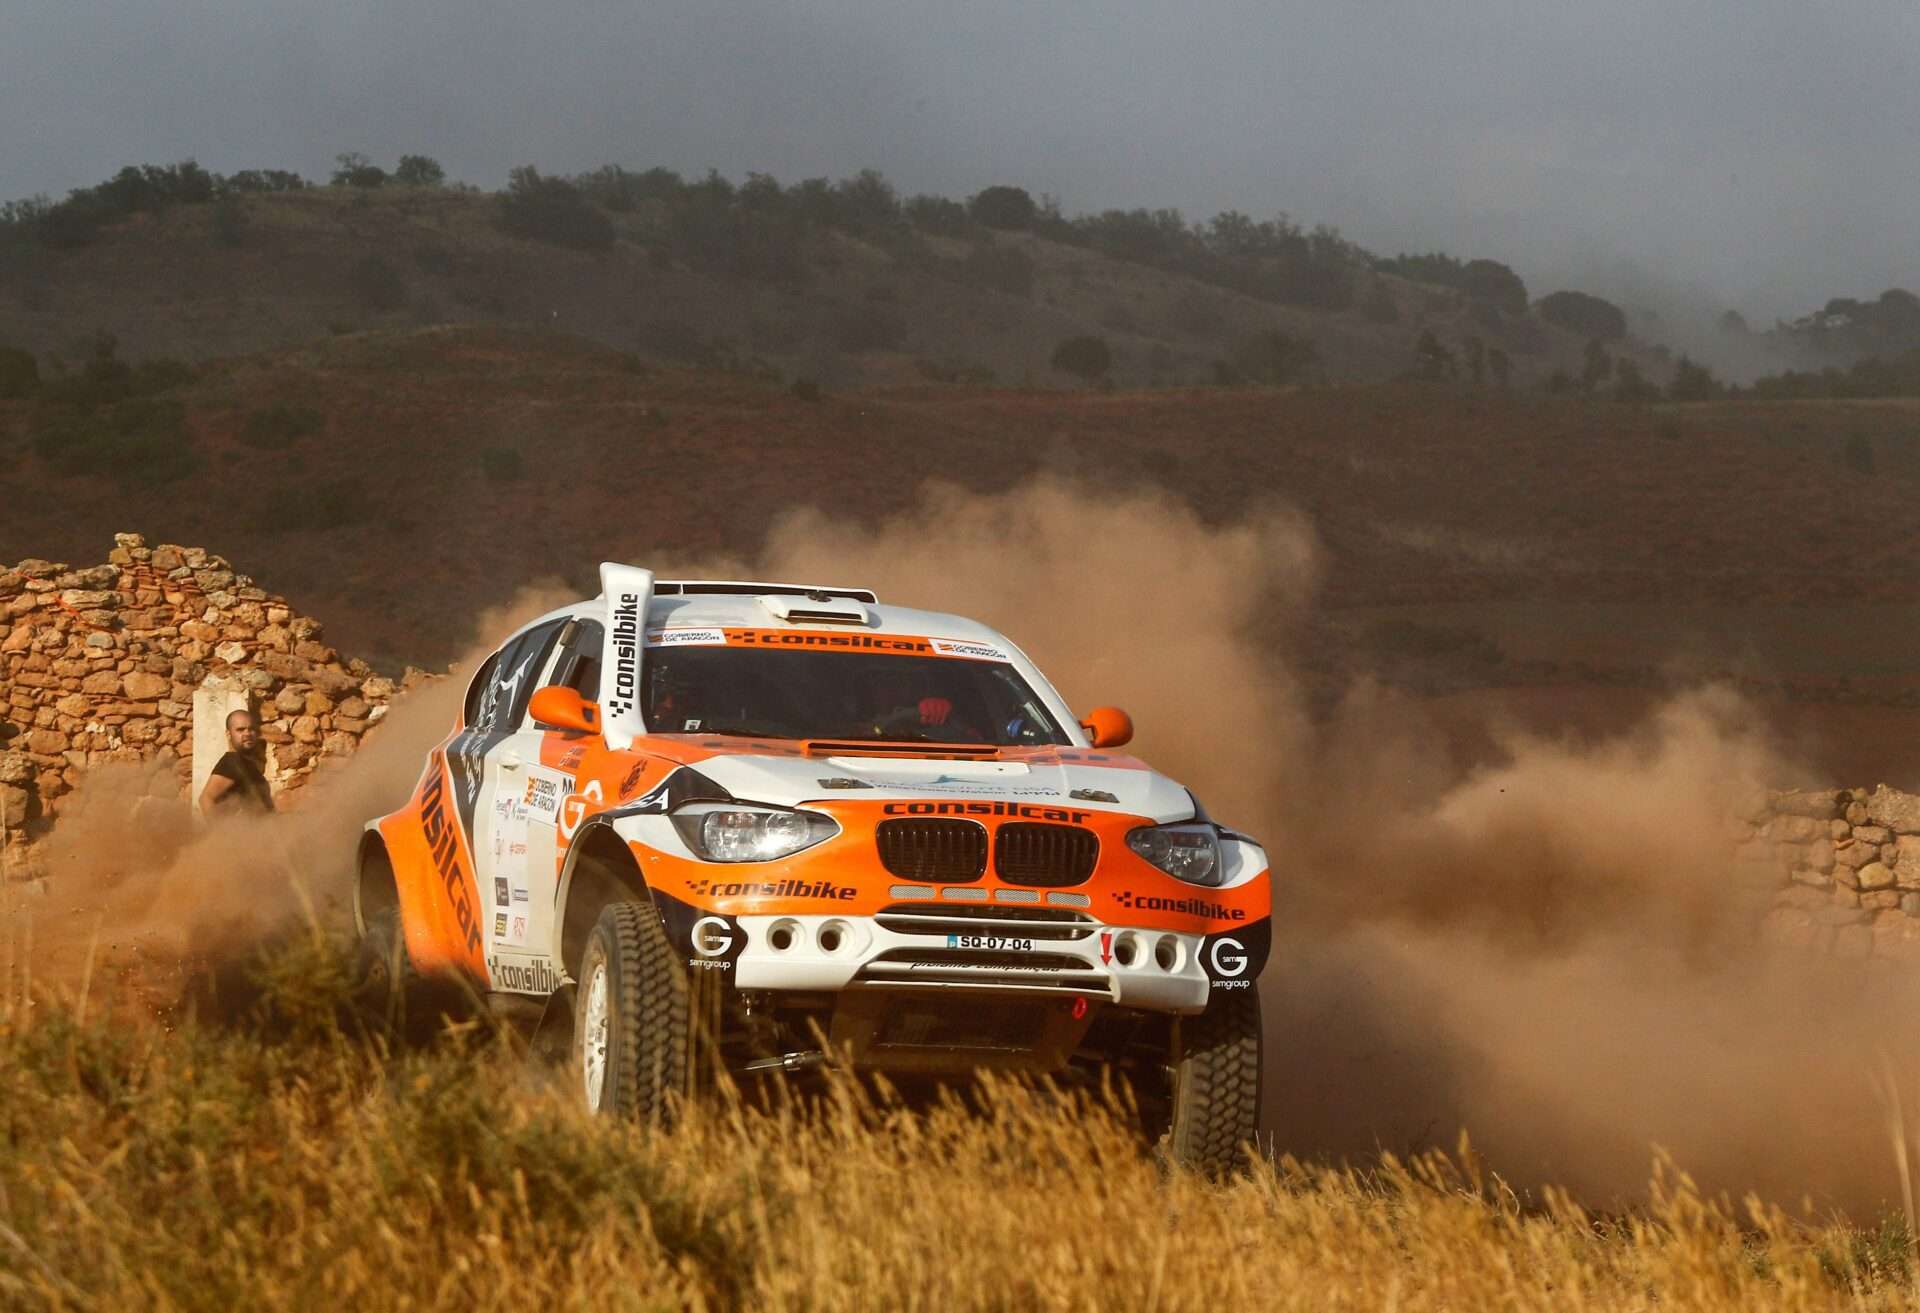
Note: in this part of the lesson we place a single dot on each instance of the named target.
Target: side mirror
(1108, 727)
(564, 708)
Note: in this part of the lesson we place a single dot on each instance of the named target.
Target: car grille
(1049, 856)
(1026, 972)
(943, 919)
(947, 852)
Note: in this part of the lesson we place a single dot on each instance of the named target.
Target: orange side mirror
(564, 708)
(1108, 727)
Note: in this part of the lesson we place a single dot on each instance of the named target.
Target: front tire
(385, 974)
(1216, 1084)
(632, 1016)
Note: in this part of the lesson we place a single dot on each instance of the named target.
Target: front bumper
(932, 948)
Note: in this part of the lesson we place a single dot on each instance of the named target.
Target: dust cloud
(1546, 948)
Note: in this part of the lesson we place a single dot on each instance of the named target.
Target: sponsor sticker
(499, 925)
(576, 806)
(1016, 810)
(543, 794)
(957, 647)
(501, 892)
(704, 888)
(686, 638)
(519, 895)
(523, 977)
(1185, 906)
(517, 930)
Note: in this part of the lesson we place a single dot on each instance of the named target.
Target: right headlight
(741, 832)
(1186, 852)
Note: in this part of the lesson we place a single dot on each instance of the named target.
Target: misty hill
(837, 283)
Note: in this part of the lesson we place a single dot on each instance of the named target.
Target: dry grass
(282, 1163)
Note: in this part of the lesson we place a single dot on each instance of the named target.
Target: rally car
(769, 826)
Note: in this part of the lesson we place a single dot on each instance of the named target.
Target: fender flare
(563, 892)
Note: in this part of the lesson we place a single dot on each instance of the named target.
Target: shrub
(19, 374)
(1084, 357)
(1494, 283)
(1693, 382)
(301, 506)
(376, 284)
(1003, 207)
(419, 171)
(1003, 268)
(1596, 367)
(938, 215)
(263, 180)
(278, 426)
(1631, 385)
(230, 220)
(1589, 316)
(867, 326)
(553, 210)
(503, 465)
(1273, 356)
(141, 441)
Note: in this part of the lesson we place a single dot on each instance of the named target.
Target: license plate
(995, 943)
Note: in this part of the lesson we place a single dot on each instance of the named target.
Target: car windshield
(821, 695)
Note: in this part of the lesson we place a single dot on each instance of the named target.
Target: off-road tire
(386, 978)
(1216, 1084)
(648, 1021)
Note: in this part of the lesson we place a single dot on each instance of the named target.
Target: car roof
(749, 611)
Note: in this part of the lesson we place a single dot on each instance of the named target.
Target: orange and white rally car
(836, 818)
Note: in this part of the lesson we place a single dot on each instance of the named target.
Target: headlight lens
(1185, 852)
(728, 832)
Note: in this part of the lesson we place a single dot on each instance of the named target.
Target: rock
(1881, 900)
(1876, 875)
(339, 745)
(14, 802)
(174, 710)
(18, 639)
(1905, 851)
(1817, 804)
(143, 687)
(354, 708)
(1819, 855)
(15, 768)
(232, 652)
(1856, 813)
(1838, 829)
(1873, 834)
(318, 704)
(1855, 854)
(290, 700)
(1796, 829)
(1899, 812)
(307, 730)
(46, 742)
(378, 689)
(291, 756)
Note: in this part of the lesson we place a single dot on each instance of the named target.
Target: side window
(522, 661)
(478, 689)
(578, 665)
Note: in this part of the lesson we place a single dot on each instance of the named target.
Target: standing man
(237, 783)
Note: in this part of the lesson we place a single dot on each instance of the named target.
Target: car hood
(1113, 784)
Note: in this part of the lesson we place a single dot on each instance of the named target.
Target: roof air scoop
(816, 609)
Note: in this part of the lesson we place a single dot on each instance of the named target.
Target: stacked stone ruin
(1845, 869)
(101, 664)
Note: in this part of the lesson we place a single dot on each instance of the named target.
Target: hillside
(887, 305)
(399, 481)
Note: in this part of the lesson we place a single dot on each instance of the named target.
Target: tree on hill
(1003, 207)
(553, 210)
(1597, 367)
(1435, 361)
(1493, 282)
(1693, 382)
(1084, 357)
(419, 171)
(1589, 316)
(352, 169)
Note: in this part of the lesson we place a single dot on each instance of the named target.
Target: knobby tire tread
(1217, 1084)
(652, 1015)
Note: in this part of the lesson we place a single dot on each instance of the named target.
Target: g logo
(712, 936)
(1231, 963)
(574, 809)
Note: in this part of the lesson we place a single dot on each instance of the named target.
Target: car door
(486, 766)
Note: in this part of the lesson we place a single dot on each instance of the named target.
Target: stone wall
(101, 663)
(1844, 865)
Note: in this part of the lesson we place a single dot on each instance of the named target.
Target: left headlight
(730, 832)
(1186, 852)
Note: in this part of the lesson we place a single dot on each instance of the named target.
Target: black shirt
(249, 785)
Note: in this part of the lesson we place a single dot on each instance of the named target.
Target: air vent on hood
(736, 588)
(816, 609)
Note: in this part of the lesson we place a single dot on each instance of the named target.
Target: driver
(897, 711)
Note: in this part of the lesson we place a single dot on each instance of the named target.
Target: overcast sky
(1760, 152)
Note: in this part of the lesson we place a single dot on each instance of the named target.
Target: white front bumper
(1158, 970)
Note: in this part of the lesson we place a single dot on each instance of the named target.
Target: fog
(1752, 152)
